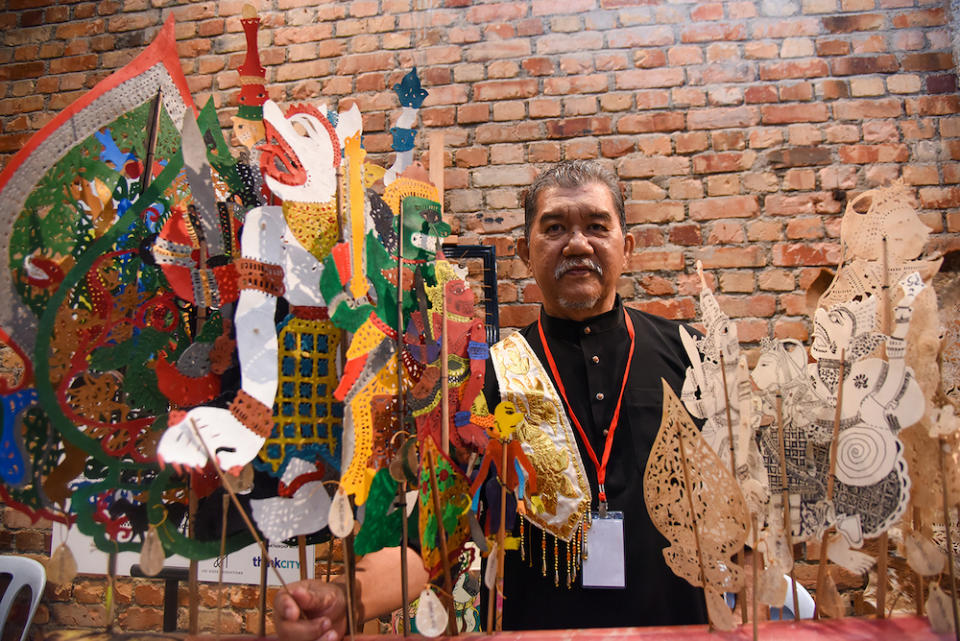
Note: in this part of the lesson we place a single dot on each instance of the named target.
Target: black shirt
(591, 357)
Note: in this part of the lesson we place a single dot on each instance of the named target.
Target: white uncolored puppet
(715, 364)
(879, 398)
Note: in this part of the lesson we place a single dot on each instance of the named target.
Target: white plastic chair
(804, 601)
(23, 572)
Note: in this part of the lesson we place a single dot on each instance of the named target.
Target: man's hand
(311, 610)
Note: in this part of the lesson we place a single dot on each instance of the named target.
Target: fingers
(317, 605)
(319, 629)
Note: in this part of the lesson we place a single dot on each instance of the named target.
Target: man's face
(576, 250)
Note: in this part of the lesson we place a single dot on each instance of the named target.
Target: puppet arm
(235, 435)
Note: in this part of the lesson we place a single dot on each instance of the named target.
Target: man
(576, 246)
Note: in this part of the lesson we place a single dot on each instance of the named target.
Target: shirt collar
(571, 329)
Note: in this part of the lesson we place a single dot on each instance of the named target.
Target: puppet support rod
(822, 568)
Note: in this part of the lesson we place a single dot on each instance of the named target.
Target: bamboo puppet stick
(785, 487)
(946, 523)
(693, 514)
(882, 541)
(733, 471)
(445, 559)
(822, 567)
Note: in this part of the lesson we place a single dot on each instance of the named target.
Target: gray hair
(571, 174)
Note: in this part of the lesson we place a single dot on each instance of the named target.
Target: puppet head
(847, 328)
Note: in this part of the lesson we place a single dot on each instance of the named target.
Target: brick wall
(738, 128)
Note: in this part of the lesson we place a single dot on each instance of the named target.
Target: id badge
(604, 565)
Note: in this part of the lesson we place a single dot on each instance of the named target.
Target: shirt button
(606, 431)
(595, 359)
(599, 396)
(586, 330)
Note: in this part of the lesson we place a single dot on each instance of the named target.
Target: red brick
(737, 281)
(864, 65)
(759, 305)
(725, 207)
(760, 94)
(614, 147)
(638, 37)
(731, 257)
(721, 73)
(784, 328)
(799, 92)
(799, 179)
(569, 127)
(939, 197)
(365, 62)
(944, 83)
(648, 78)
(853, 23)
(499, 11)
(783, 114)
(673, 308)
(752, 331)
(688, 143)
(920, 175)
(438, 116)
(805, 203)
(649, 58)
(804, 228)
(780, 280)
(934, 61)
(544, 152)
(518, 315)
(711, 163)
(505, 89)
(813, 68)
(933, 106)
(653, 212)
(446, 95)
(647, 122)
(688, 55)
(866, 154)
(639, 167)
(509, 110)
(566, 42)
(473, 113)
(686, 234)
(652, 99)
(494, 49)
(538, 66)
(654, 145)
(594, 83)
(685, 188)
(797, 254)
(655, 260)
(545, 107)
(726, 233)
(656, 285)
(727, 140)
(723, 117)
(647, 237)
(832, 47)
(927, 18)
(714, 32)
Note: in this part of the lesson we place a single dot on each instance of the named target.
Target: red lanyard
(601, 466)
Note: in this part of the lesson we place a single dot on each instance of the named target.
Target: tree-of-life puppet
(112, 343)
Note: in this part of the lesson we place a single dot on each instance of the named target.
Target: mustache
(576, 263)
